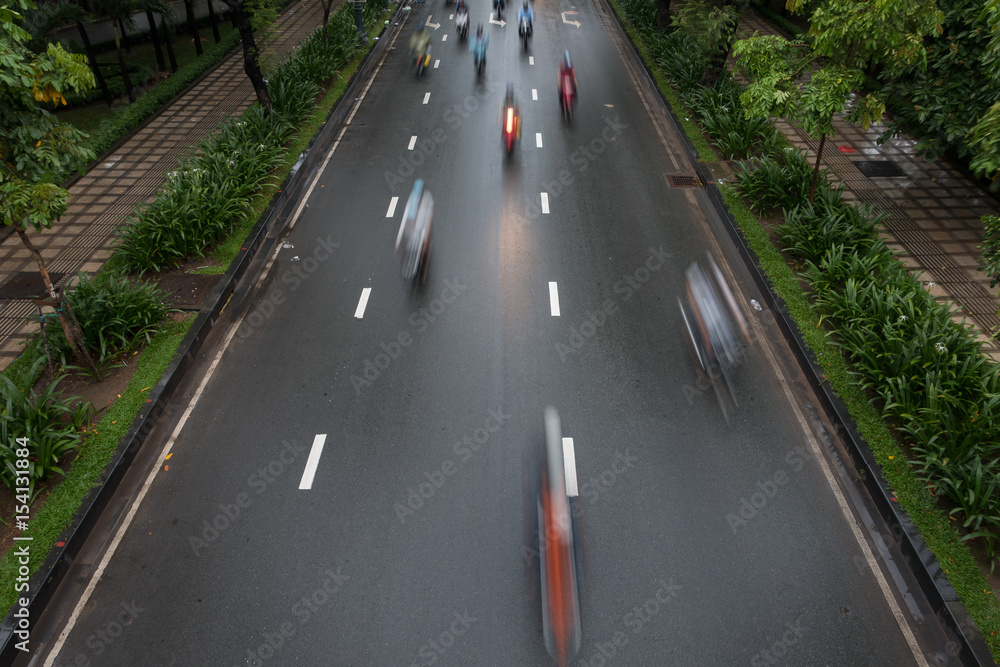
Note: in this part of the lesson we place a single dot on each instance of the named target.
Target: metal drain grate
(683, 181)
(877, 168)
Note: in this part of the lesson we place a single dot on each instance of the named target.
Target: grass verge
(84, 474)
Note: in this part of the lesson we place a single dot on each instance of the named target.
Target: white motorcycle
(462, 24)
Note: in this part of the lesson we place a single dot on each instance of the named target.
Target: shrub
(52, 427)
(811, 228)
(771, 182)
(991, 248)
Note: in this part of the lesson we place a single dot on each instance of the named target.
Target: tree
(34, 144)
(327, 5)
(984, 138)
(808, 83)
(714, 29)
(248, 16)
(120, 14)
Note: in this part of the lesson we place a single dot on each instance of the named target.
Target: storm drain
(876, 168)
(683, 181)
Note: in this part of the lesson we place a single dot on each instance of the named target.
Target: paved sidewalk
(100, 200)
(934, 211)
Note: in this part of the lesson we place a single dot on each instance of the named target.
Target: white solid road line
(569, 464)
(427, 98)
(233, 328)
(413, 142)
(534, 94)
(538, 139)
(363, 303)
(312, 462)
(392, 207)
(554, 299)
(545, 202)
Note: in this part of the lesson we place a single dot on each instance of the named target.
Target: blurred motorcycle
(462, 21)
(556, 540)
(717, 332)
(414, 234)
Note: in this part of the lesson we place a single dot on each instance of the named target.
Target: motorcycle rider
(510, 102)
(419, 42)
(567, 75)
(527, 13)
(478, 45)
(462, 18)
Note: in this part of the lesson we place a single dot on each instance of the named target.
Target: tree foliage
(807, 83)
(940, 104)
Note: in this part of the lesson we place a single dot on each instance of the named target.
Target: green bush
(991, 248)
(811, 228)
(116, 315)
(778, 181)
(52, 426)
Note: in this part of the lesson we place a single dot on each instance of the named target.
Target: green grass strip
(911, 492)
(19, 370)
(64, 501)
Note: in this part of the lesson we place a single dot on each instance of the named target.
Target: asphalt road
(409, 546)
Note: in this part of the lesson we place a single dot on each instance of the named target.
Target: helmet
(510, 91)
(566, 60)
(525, 5)
(479, 30)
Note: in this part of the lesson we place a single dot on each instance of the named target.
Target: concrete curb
(970, 647)
(264, 234)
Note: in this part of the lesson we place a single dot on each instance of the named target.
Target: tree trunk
(125, 39)
(251, 60)
(193, 26)
(168, 39)
(663, 14)
(121, 64)
(160, 63)
(75, 340)
(819, 154)
(327, 4)
(214, 21)
(92, 59)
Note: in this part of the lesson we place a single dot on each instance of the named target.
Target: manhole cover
(683, 181)
(873, 169)
(27, 285)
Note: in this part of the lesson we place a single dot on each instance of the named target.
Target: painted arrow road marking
(565, 20)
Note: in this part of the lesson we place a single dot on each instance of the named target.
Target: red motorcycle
(511, 132)
(567, 94)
